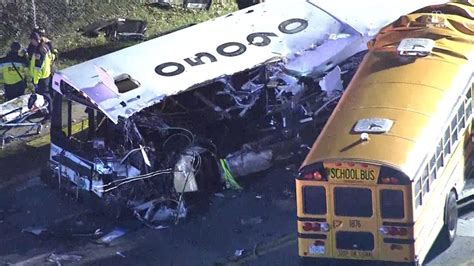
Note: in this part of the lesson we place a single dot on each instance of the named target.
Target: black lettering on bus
(372, 174)
(363, 175)
(240, 49)
(265, 38)
(354, 174)
(333, 173)
(198, 59)
(160, 70)
(355, 223)
(285, 25)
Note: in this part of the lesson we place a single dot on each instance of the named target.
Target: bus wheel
(451, 219)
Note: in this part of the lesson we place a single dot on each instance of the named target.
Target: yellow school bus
(382, 180)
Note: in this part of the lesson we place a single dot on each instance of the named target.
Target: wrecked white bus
(190, 110)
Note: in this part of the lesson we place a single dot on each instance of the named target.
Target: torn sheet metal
(263, 33)
(368, 16)
(332, 83)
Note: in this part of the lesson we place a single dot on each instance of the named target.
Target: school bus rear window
(391, 204)
(354, 202)
(314, 200)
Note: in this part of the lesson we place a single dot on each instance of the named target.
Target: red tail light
(316, 227)
(308, 176)
(394, 231)
(316, 175)
(402, 231)
(318, 243)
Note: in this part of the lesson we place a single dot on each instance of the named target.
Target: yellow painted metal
(418, 94)
(415, 92)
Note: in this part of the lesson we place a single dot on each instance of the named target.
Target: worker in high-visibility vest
(33, 43)
(40, 68)
(13, 70)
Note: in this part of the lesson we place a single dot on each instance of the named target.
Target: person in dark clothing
(13, 68)
(37, 35)
(40, 69)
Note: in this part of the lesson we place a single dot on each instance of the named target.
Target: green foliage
(62, 18)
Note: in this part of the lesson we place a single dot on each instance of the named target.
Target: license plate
(354, 253)
(316, 249)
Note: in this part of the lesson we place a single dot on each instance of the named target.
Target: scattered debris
(243, 163)
(229, 179)
(219, 195)
(238, 252)
(160, 214)
(120, 254)
(96, 233)
(243, 256)
(251, 221)
(108, 238)
(117, 29)
(38, 230)
(58, 258)
(189, 4)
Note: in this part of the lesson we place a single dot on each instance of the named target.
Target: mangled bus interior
(239, 104)
(198, 140)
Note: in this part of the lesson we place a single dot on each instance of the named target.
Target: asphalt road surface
(259, 218)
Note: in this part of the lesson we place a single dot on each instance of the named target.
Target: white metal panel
(292, 27)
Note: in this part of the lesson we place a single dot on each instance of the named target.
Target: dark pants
(14, 90)
(42, 88)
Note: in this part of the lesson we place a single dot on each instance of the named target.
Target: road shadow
(22, 160)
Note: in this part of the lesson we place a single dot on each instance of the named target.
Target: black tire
(450, 219)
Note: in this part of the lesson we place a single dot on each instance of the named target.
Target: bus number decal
(354, 223)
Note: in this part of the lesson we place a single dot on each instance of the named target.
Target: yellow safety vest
(42, 72)
(10, 75)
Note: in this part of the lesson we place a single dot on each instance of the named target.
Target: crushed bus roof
(232, 43)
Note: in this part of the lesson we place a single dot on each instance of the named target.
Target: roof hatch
(415, 47)
(373, 125)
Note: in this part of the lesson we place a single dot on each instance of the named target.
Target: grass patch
(45, 139)
(62, 18)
